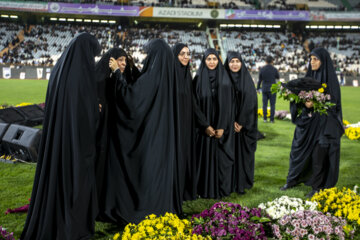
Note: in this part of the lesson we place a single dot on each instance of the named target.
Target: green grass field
(270, 168)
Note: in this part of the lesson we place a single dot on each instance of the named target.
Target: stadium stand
(305, 4)
(43, 44)
(288, 50)
(232, 4)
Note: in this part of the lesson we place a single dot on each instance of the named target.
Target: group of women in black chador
(119, 144)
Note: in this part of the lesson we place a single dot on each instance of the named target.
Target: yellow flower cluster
(261, 113)
(346, 122)
(23, 104)
(323, 88)
(167, 227)
(343, 203)
(9, 157)
(353, 133)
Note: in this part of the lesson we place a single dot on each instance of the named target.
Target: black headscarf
(202, 87)
(326, 74)
(142, 141)
(245, 92)
(102, 66)
(183, 72)
(63, 200)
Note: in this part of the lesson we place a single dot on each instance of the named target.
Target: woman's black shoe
(286, 187)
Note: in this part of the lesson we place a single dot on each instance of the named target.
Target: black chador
(326, 168)
(315, 150)
(140, 175)
(245, 114)
(106, 98)
(213, 94)
(63, 201)
(185, 168)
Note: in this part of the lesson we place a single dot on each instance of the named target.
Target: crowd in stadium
(43, 44)
(334, 5)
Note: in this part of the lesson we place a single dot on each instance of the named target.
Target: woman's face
(211, 61)
(184, 56)
(315, 63)
(121, 62)
(235, 65)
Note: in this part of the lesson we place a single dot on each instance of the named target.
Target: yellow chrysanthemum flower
(341, 203)
(321, 90)
(116, 236)
(164, 227)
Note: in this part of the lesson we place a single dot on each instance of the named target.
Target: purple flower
(5, 235)
(230, 220)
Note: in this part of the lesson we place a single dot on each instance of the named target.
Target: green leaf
(255, 218)
(264, 219)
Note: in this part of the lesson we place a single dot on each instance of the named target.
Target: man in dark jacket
(268, 75)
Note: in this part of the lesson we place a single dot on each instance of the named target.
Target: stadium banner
(334, 16)
(93, 9)
(39, 72)
(146, 11)
(24, 6)
(6, 72)
(233, 14)
(198, 13)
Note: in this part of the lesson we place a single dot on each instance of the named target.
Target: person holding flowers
(315, 151)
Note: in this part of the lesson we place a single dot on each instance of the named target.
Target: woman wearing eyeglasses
(185, 168)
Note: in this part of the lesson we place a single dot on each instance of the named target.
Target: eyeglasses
(185, 53)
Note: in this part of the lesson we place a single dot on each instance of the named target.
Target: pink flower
(303, 232)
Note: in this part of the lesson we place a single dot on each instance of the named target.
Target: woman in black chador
(315, 151)
(106, 98)
(63, 201)
(141, 157)
(185, 168)
(245, 125)
(214, 145)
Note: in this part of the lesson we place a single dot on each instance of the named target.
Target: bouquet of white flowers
(285, 205)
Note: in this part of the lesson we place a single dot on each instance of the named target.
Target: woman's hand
(210, 131)
(113, 64)
(237, 127)
(219, 133)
